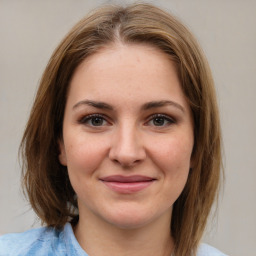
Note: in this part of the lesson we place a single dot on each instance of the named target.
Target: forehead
(127, 71)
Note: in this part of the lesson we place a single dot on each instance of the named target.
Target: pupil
(159, 121)
(97, 121)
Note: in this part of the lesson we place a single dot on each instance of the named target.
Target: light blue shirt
(52, 242)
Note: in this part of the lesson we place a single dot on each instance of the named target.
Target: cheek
(174, 156)
(84, 155)
(173, 162)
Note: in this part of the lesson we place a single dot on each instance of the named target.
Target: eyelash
(166, 118)
(86, 119)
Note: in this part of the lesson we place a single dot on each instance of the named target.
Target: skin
(128, 136)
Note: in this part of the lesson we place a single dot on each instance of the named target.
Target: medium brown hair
(46, 180)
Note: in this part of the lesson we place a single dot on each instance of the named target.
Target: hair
(45, 180)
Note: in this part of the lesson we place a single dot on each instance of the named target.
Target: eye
(160, 120)
(94, 120)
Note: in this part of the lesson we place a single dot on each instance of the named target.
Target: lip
(127, 184)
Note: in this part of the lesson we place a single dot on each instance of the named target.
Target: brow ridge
(146, 106)
(162, 103)
(96, 104)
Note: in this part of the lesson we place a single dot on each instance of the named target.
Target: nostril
(126, 163)
(126, 150)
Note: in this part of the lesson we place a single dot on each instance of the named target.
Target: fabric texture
(52, 242)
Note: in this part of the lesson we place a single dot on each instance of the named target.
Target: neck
(103, 239)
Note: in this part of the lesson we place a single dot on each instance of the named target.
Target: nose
(127, 148)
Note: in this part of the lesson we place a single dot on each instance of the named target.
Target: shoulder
(207, 250)
(41, 241)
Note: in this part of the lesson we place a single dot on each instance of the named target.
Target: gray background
(226, 29)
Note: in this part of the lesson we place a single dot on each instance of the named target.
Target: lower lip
(129, 187)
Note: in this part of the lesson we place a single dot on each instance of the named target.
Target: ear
(62, 153)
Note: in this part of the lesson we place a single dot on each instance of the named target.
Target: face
(127, 136)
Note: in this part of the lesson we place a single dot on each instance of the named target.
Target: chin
(131, 219)
(129, 223)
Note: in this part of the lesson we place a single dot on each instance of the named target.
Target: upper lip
(126, 179)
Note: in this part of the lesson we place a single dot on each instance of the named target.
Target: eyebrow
(95, 104)
(162, 103)
(146, 106)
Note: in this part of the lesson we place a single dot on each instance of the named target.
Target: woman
(122, 148)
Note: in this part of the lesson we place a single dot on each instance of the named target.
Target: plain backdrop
(226, 30)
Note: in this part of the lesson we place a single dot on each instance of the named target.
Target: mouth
(127, 184)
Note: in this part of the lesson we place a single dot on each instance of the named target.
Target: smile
(127, 184)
